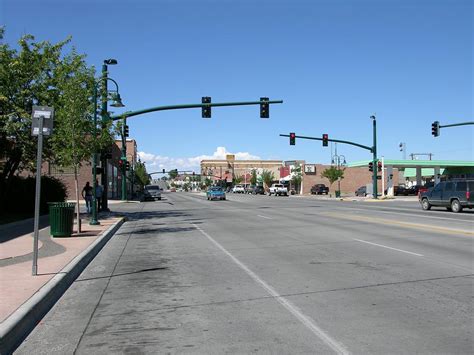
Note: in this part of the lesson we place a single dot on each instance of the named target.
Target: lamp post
(104, 116)
(117, 103)
(336, 159)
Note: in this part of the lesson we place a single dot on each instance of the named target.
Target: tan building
(226, 169)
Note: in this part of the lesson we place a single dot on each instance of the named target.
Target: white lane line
(384, 246)
(307, 321)
(264, 217)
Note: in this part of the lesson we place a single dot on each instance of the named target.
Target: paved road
(273, 275)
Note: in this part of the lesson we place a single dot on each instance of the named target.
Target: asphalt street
(286, 275)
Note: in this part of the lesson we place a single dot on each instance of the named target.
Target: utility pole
(374, 156)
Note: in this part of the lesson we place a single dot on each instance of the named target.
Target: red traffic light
(292, 138)
(325, 140)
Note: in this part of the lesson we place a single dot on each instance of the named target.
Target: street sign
(230, 157)
(48, 114)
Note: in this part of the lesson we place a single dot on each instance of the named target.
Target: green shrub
(20, 197)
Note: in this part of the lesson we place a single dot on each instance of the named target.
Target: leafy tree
(297, 177)
(173, 174)
(238, 180)
(268, 177)
(208, 182)
(253, 178)
(333, 174)
(41, 73)
(72, 141)
(141, 174)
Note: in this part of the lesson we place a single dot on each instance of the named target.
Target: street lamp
(105, 116)
(117, 102)
(336, 159)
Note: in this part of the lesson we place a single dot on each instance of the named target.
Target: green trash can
(338, 193)
(61, 218)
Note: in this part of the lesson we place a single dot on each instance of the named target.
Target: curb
(20, 323)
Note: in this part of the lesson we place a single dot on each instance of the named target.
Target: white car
(278, 190)
(238, 189)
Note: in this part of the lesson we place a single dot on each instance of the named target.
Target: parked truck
(278, 190)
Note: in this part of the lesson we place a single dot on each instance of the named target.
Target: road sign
(230, 157)
(47, 113)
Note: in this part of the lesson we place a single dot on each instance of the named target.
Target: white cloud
(157, 162)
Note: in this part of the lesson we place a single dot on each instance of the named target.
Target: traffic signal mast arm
(177, 107)
(332, 140)
(457, 124)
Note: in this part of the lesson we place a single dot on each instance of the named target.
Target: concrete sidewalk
(25, 299)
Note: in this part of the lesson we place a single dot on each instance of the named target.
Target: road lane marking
(264, 216)
(401, 224)
(307, 321)
(384, 246)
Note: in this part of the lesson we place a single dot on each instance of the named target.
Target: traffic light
(127, 166)
(206, 110)
(325, 140)
(379, 166)
(120, 163)
(264, 107)
(435, 128)
(371, 166)
(193, 173)
(164, 171)
(292, 138)
(125, 131)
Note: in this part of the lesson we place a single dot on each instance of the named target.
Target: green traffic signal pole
(457, 124)
(372, 149)
(124, 162)
(177, 107)
(374, 157)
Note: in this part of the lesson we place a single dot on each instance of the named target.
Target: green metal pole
(94, 221)
(124, 160)
(374, 158)
(104, 115)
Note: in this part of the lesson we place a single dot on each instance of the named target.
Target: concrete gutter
(20, 323)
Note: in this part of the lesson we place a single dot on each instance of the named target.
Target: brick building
(66, 174)
(225, 169)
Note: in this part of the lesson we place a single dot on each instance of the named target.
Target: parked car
(400, 190)
(249, 189)
(425, 188)
(215, 193)
(238, 189)
(361, 191)
(454, 195)
(278, 190)
(319, 189)
(258, 190)
(152, 192)
(173, 189)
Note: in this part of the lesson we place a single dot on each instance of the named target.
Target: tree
(173, 174)
(238, 180)
(268, 177)
(333, 174)
(72, 141)
(253, 178)
(208, 182)
(141, 174)
(41, 73)
(297, 177)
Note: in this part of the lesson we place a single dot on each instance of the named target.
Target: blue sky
(334, 63)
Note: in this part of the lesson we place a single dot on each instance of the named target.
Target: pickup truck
(278, 189)
(319, 189)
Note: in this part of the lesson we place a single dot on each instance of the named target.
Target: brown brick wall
(353, 179)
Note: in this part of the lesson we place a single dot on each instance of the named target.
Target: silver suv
(152, 192)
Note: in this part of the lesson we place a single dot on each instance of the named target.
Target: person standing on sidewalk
(87, 196)
(99, 190)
